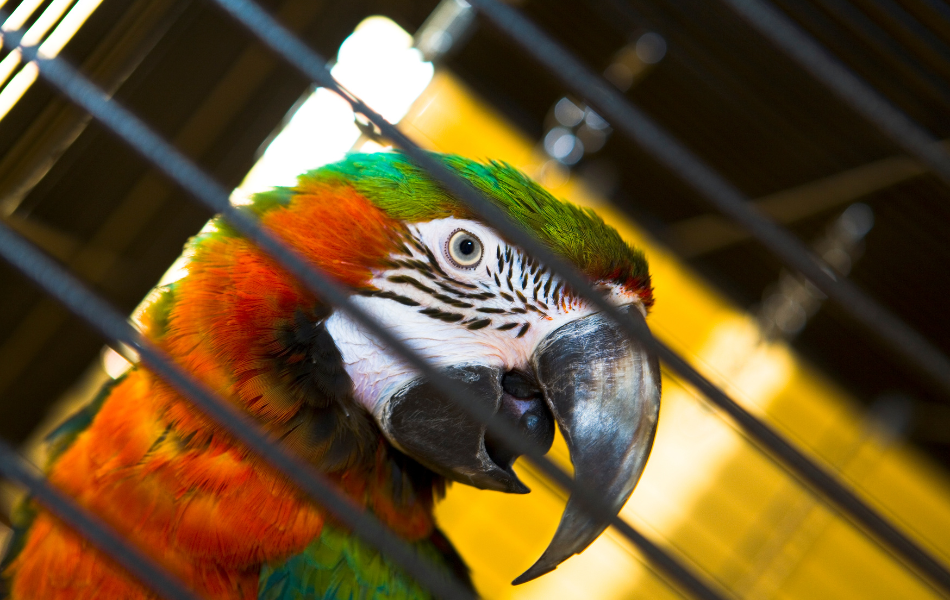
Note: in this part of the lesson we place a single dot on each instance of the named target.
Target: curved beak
(601, 389)
(604, 392)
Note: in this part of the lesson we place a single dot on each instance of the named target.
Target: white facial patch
(494, 313)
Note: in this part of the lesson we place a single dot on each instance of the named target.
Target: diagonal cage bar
(684, 163)
(311, 64)
(847, 85)
(201, 186)
(130, 558)
(914, 349)
(110, 323)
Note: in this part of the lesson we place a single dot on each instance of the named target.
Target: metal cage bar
(860, 96)
(180, 173)
(913, 348)
(207, 191)
(89, 526)
(686, 165)
(114, 327)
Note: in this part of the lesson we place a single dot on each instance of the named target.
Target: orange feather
(168, 478)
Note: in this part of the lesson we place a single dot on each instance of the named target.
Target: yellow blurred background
(708, 494)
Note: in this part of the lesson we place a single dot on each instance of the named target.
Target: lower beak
(440, 434)
(601, 389)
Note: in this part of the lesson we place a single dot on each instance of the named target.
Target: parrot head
(504, 329)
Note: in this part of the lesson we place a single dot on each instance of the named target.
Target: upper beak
(604, 391)
(601, 389)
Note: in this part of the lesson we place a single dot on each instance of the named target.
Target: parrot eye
(463, 249)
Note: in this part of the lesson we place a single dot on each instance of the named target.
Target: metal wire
(888, 50)
(187, 175)
(210, 193)
(102, 536)
(622, 114)
(910, 33)
(571, 71)
(113, 326)
(822, 65)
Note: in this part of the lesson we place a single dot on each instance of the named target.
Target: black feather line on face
(451, 290)
(413, 282)
(451, 301)
(540, 274)
(435, 263)
(530, 272)
(442, 315)
(394, 296)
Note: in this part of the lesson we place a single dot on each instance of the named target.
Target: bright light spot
(9, 64)
(594, 121)
(320, 132)
(651, 48)
(46, 20)
(563, 145)
(175, 272)
(567, 113)
(68, 27)
(370, 146)
(378, 64)
(13, 91)
(49, 48)
(114, 364)
(33, 36)
(21, 14)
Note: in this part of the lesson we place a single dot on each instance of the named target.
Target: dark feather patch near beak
(437, 432)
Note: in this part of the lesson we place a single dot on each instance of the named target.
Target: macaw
(493, 319)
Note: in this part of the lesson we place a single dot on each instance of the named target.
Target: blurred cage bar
(775, 539)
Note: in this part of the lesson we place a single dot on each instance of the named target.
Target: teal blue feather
(340, 566)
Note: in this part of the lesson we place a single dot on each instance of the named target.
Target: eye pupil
(463, 249)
